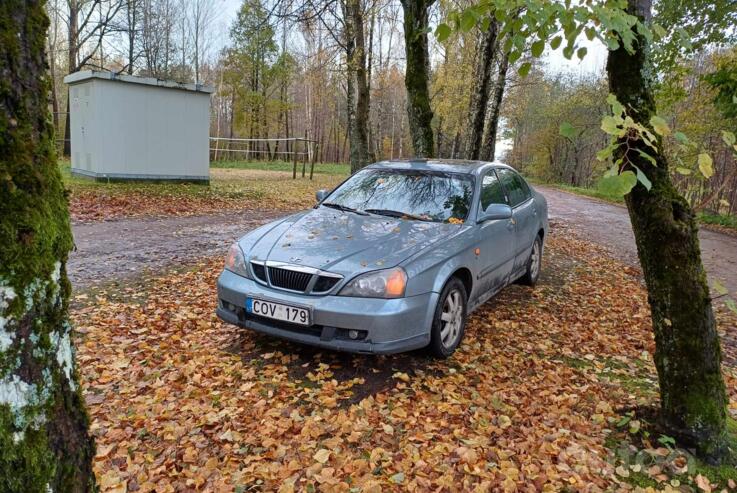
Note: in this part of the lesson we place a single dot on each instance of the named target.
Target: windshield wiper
(344, 208)
(391, 213)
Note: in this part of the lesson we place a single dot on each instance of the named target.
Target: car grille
(289, 279)
(324, 284)
(259, 270)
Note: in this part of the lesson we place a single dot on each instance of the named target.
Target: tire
(534, 264)
(453, 305)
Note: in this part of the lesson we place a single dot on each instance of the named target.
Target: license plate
(278, 311)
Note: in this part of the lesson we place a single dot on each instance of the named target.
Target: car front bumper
(385, 326)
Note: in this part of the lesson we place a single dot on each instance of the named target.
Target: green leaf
(730, 303)
(603, 154)
(667, 441)
(617, 108)
(567, 130)
(610, 125)
(398, 478)
(590, 33)
(705, 165)
(681, 137)
(468, 20)
(684, 38)
(524, 69)
(537, 48)
(555, 42)
(581, 53)
(442, 32)
(728, 137)
(659, 31)
(647, 156)
(683, 171)
(644, 179)
(660, 125)
(719, 288)
(568, 52)
(514, 56)
(618, 185)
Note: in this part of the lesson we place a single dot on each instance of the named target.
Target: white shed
(138, 128)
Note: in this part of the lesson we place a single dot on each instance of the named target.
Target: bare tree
(199, 16)
(158, 22)
(87, 23)
(133, 14)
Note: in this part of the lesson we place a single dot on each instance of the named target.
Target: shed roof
(84, 75)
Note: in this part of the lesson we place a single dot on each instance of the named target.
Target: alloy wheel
(535, 258)
(451, 318)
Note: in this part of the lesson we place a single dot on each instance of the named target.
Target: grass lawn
(719, 220)
(588, 192)
(321, 168)
(240, 185)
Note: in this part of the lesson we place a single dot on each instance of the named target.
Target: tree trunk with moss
(417, 76)
(480, 91)
(687, 352)
(44, 442)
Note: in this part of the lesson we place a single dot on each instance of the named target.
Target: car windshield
(410, 194)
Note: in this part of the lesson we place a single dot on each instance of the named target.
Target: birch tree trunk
(488, 148)
(417, 76)
(44, 440)
(687, 352)
(480, 91)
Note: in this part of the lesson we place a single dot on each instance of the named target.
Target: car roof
(447, 165)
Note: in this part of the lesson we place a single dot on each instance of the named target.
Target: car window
(428, 195)
(517, 189)
(492, 191)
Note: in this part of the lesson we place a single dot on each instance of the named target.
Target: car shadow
(369, 374)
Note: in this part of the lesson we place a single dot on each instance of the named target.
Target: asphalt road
(609, 225)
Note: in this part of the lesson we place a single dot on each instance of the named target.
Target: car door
(496, 239)
(523, 213)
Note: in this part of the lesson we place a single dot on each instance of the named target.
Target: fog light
(353, 334)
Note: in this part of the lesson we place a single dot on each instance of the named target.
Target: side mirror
(495, 211)
(321, 194)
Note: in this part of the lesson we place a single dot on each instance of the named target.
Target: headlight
(388, 283)
(235, 261)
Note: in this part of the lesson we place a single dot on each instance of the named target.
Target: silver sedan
(393, 259)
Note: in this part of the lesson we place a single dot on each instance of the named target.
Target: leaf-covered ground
(229, 189)
(538, 397)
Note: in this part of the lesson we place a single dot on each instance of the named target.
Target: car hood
(343, 242)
